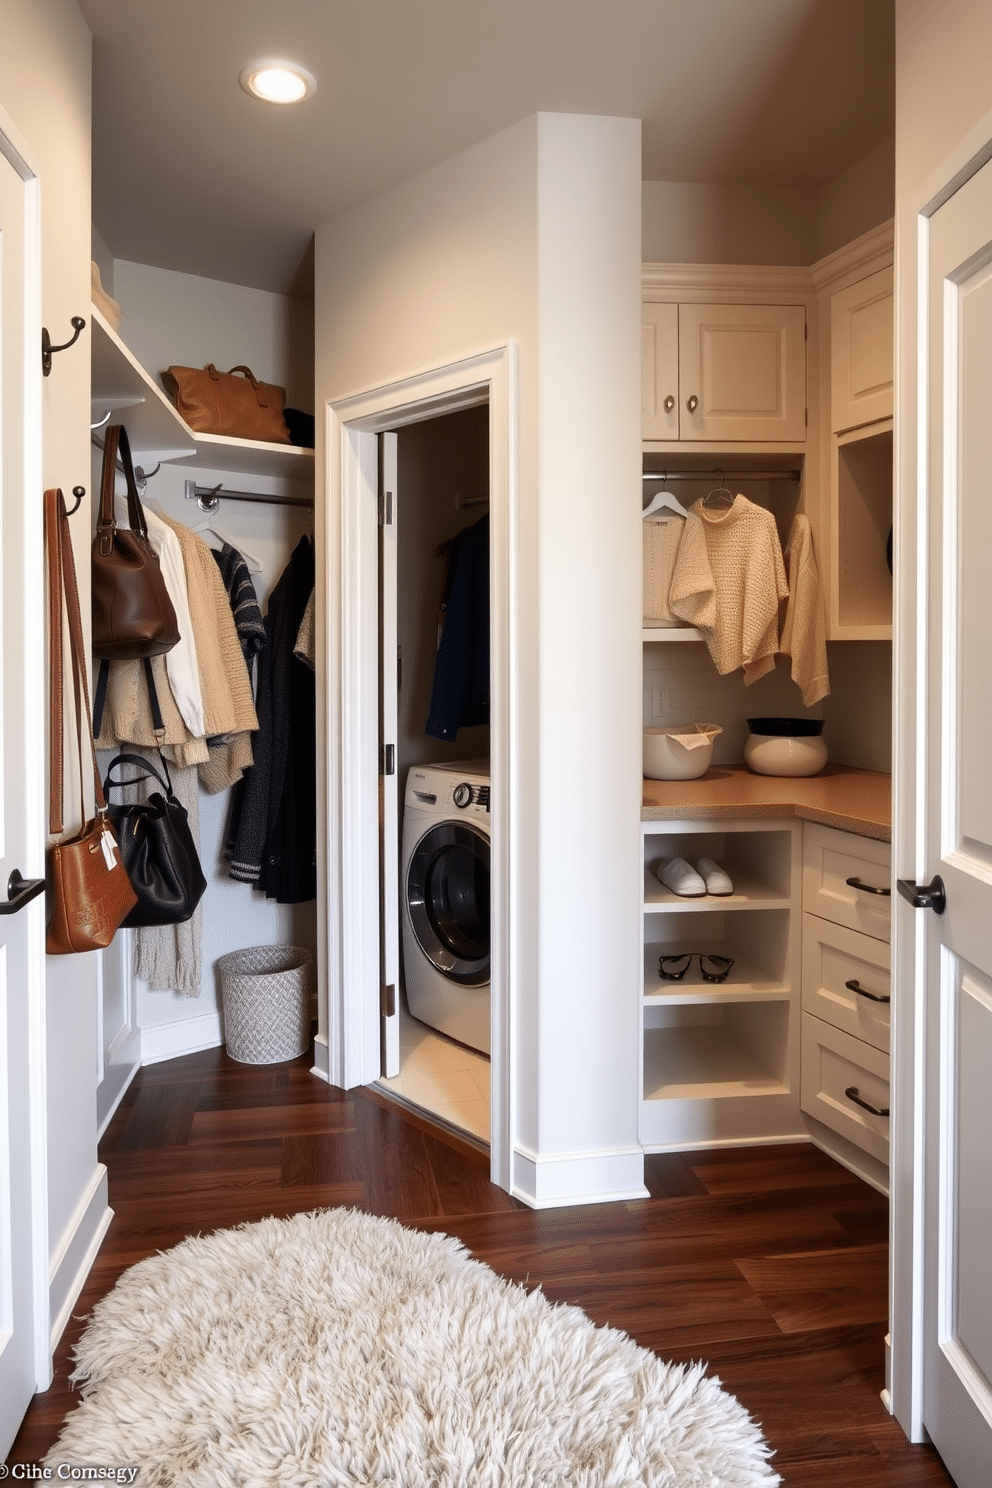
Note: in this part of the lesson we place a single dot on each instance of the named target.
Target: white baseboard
(70, 1265)
(553, 1180)
(322, 1059)
(862, 1164)
(187, 1036)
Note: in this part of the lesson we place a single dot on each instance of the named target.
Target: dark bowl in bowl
(786, 728)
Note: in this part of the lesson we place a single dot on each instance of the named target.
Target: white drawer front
(846, 980)
(830, 859)
(834, 1063)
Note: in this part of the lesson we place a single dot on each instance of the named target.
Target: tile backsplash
(682, 686)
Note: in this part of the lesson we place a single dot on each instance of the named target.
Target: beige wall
(943, 83)
(695, 222)
(534, 237)
(45, 89)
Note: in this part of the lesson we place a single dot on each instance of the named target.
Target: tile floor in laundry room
(442, 1077)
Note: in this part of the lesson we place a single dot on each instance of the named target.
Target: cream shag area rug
(337, 1349)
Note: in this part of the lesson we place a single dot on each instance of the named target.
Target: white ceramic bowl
(785, 754)
(667, 758)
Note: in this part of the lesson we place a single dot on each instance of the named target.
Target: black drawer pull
(863, 992)
(852, 1094)
(856, 883)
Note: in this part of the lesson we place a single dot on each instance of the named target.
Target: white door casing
(348, 1044)
(942, 1008)
(25, 1360)
(389, 932)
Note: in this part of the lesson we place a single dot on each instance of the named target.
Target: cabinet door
(861, 352)
(742, 372)
(659, 371)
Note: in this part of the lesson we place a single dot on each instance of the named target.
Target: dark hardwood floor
(768, 1262)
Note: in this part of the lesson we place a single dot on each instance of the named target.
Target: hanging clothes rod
(208, 498)
(721, 475)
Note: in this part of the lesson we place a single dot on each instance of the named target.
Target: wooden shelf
(651, 633)
(748, 893)
(747, 981)
(250, 457)
(121, 386)
(704, 1063)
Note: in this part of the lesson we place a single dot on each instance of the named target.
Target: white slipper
(679, 876)
(716, 880)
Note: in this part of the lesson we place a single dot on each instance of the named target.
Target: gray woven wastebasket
(266, 995)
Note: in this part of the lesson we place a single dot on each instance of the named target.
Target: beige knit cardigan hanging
(728, 581)
(228, 708)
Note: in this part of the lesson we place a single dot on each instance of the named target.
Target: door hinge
(388, 760)
(387, 999)
(399, 667)
(385, 508)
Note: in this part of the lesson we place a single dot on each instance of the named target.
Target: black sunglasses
(711, 968)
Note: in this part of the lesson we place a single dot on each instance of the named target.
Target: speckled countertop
(851, 800)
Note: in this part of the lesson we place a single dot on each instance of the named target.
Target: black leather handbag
(157, 848)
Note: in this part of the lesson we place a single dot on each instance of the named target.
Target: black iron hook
(48, 350)
(79, 492)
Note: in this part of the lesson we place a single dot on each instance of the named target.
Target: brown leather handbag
(133, 615)
(215, 402)
(89, 890)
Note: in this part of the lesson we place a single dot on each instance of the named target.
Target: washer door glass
(447, 895)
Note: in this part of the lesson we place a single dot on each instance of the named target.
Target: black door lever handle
(20, 891)
(924, 896)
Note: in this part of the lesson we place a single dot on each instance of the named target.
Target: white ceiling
(190, 173)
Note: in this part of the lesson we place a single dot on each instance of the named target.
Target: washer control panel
(436, 790)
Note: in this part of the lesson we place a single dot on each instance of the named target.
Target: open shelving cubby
(863, 522)
(720, 1060)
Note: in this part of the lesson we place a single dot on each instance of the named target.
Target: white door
(23, 1272)
(957, 945)
(389, 934)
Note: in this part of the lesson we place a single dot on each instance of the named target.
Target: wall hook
(105, 420)
(48, 350)
(79, 492)
(142, 477)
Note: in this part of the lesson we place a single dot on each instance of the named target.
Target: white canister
(785, 754)
(682, 752)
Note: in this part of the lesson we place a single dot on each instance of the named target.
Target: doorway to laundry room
(435, 880)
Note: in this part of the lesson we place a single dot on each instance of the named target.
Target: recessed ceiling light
(277, 82)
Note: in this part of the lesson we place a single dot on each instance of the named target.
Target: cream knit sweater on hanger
(803, 631)
(729, 579)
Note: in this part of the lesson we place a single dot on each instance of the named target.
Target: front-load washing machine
(445, 896)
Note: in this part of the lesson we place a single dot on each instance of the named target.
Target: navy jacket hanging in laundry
(460, 697)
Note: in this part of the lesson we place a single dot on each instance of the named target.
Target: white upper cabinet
(742, 372)
(724, 372)
(861, 346)
(659, 371)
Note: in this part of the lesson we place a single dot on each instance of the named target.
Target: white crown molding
(667, 281)
(874, 250)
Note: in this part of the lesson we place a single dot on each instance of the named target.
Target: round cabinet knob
(669, 403)
(462, 795)
(692, 404)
